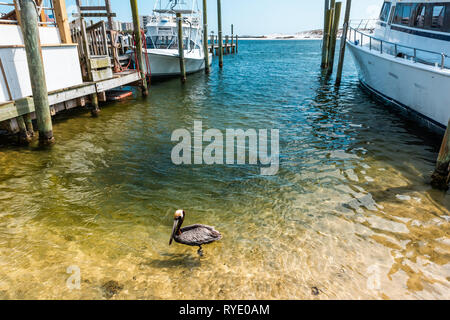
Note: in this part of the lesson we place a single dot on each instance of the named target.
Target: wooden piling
(205, 36)
(95, 108)
(334, 31)
(181, 48)
(441, 176)
(227, 47)
(212, 44)
(24, 136)
(30, 31)
(138, 39)
(348, 7)
(326, 34)
(29, 124)
(219, 22)
(109, 12)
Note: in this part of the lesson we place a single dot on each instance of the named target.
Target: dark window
(437, 17)
(432, 16)
(391, 17)
(419, 21)
(403, 13)
(385, 11)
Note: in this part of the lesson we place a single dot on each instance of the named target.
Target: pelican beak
(174, 229)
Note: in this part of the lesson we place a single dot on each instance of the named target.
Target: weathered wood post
(326, 34)
(109, 12)
(227, 46)
(232, 36)
(113, 35)
(326, 48)
(24, 135)
(205, 36)
(348, 7)
(212, 44)
(334, 31)
(95, 109)
(29, 124)
(138, 39)
(219, 22)
(181, 48)
(441, 176)
(29, 24)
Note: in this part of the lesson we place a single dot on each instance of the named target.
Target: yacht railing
(427, 57)
(363, 24)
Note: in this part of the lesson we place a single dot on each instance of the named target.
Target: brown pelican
(195, 235)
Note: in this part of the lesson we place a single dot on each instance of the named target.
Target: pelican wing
(197, 235)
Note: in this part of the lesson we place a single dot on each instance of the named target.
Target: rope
(147, 60)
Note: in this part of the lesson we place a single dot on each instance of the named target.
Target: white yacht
(162, 39)
(405, 59)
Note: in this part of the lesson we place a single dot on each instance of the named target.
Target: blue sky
(259, 17)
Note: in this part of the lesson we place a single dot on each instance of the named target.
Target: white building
(144, 20)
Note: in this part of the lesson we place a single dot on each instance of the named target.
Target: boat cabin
(421, 24)
(162, 32)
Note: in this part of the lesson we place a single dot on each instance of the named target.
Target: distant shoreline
(278, 39)
(304, 35)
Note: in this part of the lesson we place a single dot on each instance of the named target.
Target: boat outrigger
(162, 39)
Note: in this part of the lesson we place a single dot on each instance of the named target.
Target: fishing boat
(405, 59)
(161, 40)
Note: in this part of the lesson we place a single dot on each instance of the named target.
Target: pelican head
(177, 222)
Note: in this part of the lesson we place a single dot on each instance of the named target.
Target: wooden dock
(69, 64)
(229, 46)
(65, 99)
(89, 50)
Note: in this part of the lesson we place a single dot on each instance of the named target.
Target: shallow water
(350, 212)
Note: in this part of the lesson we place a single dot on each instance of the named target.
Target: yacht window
(385, 11)
(420, 17)
(392, 15)
(437, 21)
(403, 13)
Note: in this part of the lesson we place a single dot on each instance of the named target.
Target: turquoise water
(350, 211)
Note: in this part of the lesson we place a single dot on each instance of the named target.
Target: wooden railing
(97, 40)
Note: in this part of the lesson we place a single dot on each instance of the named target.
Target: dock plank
(118, 81)
(17, 108)
(14, 109)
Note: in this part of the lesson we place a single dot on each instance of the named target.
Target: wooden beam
(62, 20)
(16, 9)
(2, 69)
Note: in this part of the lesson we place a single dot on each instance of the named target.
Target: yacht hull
(420, 91)
(167, 64)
